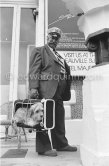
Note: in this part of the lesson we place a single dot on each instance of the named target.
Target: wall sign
(79, 61)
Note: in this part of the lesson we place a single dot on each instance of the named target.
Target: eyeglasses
(55, 36)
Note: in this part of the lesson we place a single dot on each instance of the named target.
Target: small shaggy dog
(29, 116)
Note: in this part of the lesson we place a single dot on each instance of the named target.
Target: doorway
(18, 29)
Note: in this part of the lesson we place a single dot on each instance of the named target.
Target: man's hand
(34, 94)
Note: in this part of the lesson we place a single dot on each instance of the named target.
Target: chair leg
(6, 132)
(19, 137)
(24, 134)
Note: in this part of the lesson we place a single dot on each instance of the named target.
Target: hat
(55, 29)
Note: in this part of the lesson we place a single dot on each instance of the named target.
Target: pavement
(32, 158)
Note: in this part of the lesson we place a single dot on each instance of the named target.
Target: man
(50, 78)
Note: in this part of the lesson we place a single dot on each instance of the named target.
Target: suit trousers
(58, 133)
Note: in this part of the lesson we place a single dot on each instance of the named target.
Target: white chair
(6, 117)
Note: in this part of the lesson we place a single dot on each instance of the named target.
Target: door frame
(14, 66)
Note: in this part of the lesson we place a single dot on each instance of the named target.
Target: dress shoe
(68, 148)
(51, 153)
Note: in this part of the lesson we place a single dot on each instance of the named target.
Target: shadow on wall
(77, 108)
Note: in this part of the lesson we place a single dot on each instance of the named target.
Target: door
(26, 42)
(6, 27)
(17, 35)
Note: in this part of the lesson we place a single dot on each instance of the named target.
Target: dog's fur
(30, 116)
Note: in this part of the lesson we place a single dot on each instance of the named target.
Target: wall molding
(20, 2)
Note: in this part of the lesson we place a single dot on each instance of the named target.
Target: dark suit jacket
(44, 72)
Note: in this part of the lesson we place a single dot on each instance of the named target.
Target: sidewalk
(32, 158)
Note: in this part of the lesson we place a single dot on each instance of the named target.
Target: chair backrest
(6, 109)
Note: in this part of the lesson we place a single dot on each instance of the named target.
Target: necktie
(61, 62)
